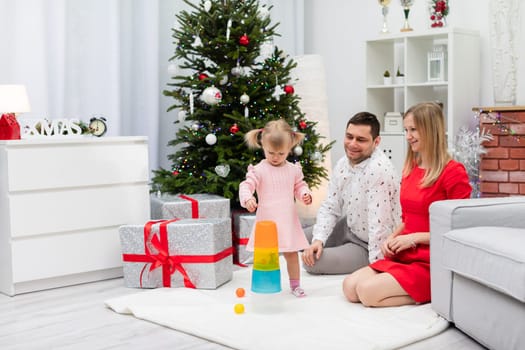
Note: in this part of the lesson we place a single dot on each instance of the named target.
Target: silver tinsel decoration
(468, 150)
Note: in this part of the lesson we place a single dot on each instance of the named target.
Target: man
(362, 205)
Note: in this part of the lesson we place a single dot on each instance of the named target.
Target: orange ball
(240, 292)
(238, 308)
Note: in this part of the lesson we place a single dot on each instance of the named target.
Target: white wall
(338, 29)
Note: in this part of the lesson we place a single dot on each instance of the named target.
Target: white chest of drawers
(61, 203)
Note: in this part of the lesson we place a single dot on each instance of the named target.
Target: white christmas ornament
(191, 102)
(195, 126)
(222, 170)
(263, 12)
(224, 80)
(182, 115)
(197, 42)
(211, 96)
(207, 5)
(277, 92)
(211, 139)
(298, 150)
(266, 50)
(244, 98)
(237, 71)
(228, 29)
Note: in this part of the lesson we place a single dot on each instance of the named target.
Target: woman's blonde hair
(276, 133)
(430, 123)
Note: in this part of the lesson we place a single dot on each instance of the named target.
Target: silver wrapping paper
(185, 237)
(242, 228)
(170, 206)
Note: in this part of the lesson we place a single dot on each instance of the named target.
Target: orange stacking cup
(266, 235)
(266, 273)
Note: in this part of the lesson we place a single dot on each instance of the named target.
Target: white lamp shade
(13, 99)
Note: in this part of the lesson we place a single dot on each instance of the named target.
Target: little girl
(277, 182)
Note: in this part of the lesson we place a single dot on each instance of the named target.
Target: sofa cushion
(493, 256)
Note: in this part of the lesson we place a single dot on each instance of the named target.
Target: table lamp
(13, 100)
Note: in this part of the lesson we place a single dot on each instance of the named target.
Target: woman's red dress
(411, 267)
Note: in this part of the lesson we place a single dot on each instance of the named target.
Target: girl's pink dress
(411, 267)
(276, 187)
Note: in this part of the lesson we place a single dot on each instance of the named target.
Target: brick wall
(502, 169)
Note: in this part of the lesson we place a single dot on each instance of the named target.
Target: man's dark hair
(366, 118)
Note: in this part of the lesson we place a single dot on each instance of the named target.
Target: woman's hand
(251, 204)
(385, 247)
(400, 243)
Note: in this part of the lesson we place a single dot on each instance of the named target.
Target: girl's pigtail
(252, 138)
(297, 137)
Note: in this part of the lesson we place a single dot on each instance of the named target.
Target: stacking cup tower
(266, 274)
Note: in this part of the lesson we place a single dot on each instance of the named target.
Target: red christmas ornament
(203, 76)
(234, 128)
(302, 125)
(289, 89)
(175, 173)
(244, 40)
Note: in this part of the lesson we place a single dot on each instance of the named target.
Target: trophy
(384, 4)
(406, 9)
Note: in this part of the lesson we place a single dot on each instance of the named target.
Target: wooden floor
(75, 318)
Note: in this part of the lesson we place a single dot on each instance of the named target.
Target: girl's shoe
(299, 292)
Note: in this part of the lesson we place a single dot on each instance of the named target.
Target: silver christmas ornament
(222, 170)
(298, 150)
(316, 156)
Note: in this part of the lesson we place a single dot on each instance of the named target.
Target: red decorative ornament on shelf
(438, 13)
(288, 89)
(302, 125)
(244, 40)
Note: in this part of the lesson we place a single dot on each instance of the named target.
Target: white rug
(322, 320)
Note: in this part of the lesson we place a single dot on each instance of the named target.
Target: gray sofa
(477, 265)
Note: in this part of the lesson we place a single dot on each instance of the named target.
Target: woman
(429, 175)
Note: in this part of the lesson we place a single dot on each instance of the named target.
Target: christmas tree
(230, 79)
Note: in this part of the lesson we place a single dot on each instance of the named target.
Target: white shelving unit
(459, 91)
(62, 201)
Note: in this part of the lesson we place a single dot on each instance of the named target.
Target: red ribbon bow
(169, 263)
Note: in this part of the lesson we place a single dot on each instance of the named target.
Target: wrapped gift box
(243, 222)
(195, 253)
(170, 206)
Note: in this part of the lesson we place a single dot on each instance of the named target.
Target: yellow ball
(239, 308)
